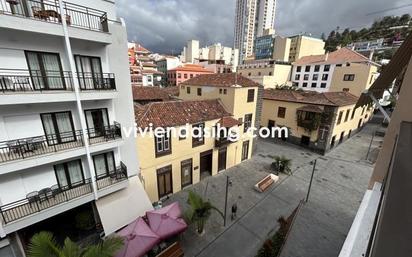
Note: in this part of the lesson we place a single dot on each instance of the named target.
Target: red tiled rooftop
(221, 80)
(141, 93)
(311, 97)
(342, 55)
(191, 68)
(178, 113)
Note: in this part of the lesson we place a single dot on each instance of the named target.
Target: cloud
(166, 25)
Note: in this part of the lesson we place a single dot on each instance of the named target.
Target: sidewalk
(340, 180)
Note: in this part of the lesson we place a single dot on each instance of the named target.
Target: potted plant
(282, 164)
(199, 211)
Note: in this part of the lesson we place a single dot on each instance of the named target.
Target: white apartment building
(266, 16)
(341, 70)
(193, 53)
(65, 95)
(251, 19)
(245, 21)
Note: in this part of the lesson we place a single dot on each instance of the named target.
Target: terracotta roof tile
(141, 93)
(178, 113)
(228, 122)
(221, 80)
(192, 68)
(311, 97)
(342, 55)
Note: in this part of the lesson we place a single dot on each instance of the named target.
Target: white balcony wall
(13, 45)
(34, 179)
(318, 82)
(21, 121)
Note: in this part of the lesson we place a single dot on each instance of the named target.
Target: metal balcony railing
(112, 177)
(37, 81)
(45, 198)
(49, 11)
(92, 81)
(24, 148)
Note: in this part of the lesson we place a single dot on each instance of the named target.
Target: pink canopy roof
(166, 221)
(139, 239)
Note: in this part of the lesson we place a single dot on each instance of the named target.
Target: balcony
(49, 11)
(24, 148)
(34, 81)
(222, 142)
(46, 198)
(17, 81)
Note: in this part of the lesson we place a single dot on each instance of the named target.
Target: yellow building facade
(187, 163)
(304, 46)
(268, 73)
(338, 119)
(363, 74)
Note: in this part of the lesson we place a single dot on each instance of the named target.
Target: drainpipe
(76, 85)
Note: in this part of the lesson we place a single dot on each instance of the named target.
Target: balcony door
(104, 164)
(97, 120)
(245, 150)
(164, 181)
(89, 70)
(69, 174)
(58, 127)
(45, 71)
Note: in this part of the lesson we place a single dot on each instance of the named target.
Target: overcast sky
(164, 26)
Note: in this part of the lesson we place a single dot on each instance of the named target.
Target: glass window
(317, 68)
(281, 112)
(306, 77)
(305, 84)
(315, 77)
(69, 174)
(325, 76)
(307, 68)
(250, 95)
(298, 69)
(104, 164)
(186, 172)
(313, 85)
(326, 68)
(163, 145)
(199, 91)
(199, 139)
(248, 122)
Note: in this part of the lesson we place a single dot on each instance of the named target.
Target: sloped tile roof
(311, 97)
(221, 80)
(178, 113)
(228, 122)
(342, 55)
(191, 68)
(141, 93)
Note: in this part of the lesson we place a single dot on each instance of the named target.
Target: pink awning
(138, 239)
(167, 221)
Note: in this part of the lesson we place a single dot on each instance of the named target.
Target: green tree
(199, 211)
(43, 244)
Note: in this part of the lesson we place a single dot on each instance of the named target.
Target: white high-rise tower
(251, 19)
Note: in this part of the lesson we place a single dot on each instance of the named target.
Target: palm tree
(200, 211)
(282, 164)
(43, 244)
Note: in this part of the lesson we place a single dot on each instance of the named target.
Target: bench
(173, 250)
(266, 182)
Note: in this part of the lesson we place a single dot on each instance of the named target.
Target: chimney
(326, 56)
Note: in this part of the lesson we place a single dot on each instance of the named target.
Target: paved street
(339, 183)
